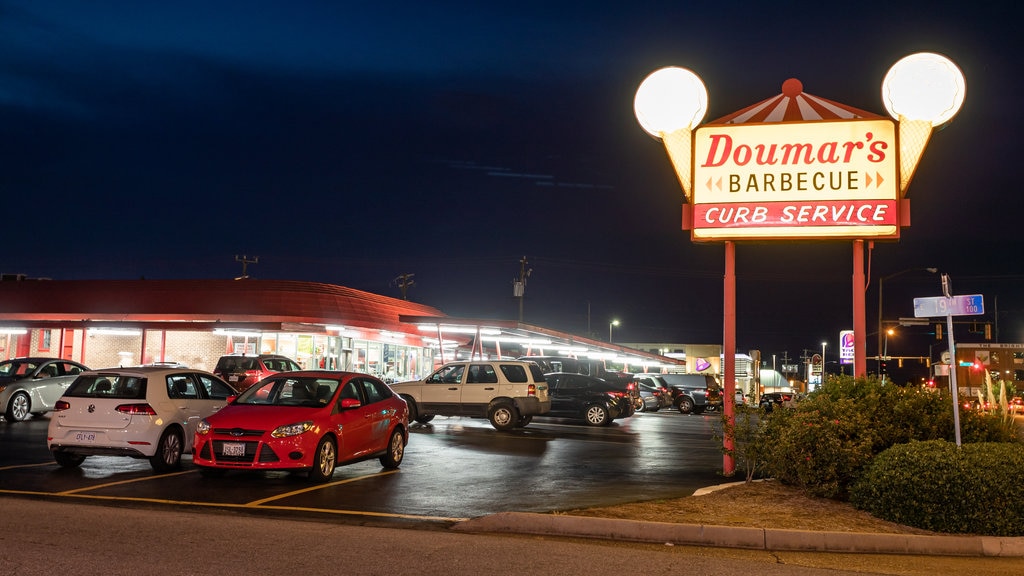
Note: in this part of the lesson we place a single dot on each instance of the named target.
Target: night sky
(353, 142)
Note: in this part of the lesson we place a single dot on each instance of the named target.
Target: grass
(760, 504)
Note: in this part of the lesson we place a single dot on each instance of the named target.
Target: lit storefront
(194, 322)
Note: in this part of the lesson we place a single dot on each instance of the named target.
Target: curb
(741, 537)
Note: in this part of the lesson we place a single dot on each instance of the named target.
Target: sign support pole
(952, 379)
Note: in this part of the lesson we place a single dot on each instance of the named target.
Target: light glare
(670, 99)
(924, 86)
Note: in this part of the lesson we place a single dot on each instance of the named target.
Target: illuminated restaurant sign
(825, 179)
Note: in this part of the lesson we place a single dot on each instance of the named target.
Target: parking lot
(454, 468)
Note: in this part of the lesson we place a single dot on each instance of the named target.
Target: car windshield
(107, 386)
(308, 392)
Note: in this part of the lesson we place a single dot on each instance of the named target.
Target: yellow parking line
(119, 482)
(239, 506)
(317, 487)
(16, 466)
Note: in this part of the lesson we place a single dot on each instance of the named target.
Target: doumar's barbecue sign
(824, 179)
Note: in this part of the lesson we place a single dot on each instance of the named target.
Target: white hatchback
(144, 412)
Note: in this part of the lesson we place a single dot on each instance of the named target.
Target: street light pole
(881, 286)
(823, 344)
(610, 324)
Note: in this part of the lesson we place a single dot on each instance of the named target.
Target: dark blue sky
(350, 143)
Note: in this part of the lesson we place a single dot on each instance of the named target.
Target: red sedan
(309, 420)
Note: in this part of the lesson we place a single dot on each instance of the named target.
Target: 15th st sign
(835, 179)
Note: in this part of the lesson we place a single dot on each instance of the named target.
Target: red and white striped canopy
(794, 105)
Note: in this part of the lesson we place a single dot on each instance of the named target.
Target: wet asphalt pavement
(454, 468)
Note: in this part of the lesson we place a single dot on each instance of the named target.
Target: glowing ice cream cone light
(921, 91)
(669, 103)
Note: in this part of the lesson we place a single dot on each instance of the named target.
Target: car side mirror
(349, 403)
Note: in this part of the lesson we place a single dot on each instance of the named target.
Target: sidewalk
(736, 537)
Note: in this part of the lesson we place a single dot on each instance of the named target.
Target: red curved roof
(226, 301)
(794, 105)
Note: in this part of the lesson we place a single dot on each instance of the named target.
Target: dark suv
(694, 393)
(594, 400)
(241, 371)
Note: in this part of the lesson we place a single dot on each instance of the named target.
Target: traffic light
(882, 368)
(938, 331)
(988, 331)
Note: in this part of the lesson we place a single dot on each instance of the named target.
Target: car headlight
(291, 429)
(203, 427)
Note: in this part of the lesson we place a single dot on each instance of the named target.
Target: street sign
(913, 322)
(972, 305)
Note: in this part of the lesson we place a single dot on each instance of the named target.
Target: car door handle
(489, 388)
(454, 388)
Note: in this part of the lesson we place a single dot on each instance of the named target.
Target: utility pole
(519, 284)
(245, 264)
(404, 282)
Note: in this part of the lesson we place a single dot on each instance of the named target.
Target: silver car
(33, 385)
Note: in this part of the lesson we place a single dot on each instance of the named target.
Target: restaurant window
(44, 340)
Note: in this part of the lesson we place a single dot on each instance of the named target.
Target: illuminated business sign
(823, 179)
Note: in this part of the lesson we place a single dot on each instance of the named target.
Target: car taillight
(61, 405)
(616, 394)
(531, 390)
(145, 409)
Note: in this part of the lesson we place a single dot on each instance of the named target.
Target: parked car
(509, 393)
(694, 393)
(30, 386)
(772, 399)
(650, 398)
(741, 400)
(311, 420)
(656, 381)
(141, 412)
(627, 383)
(241, 371)
(594, 400)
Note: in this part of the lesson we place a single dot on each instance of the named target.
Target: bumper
(532, 406)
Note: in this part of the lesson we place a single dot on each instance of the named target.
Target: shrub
(825, 443)
(936, 486)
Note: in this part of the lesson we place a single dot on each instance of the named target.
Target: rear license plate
(84, 436)
(234, 449)
(232, 378)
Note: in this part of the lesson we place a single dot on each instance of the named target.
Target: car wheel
(597, 415)
(503, 416)
(685, 405)
(168, 452)
(323, 461)
(424, 419)
(19, 408)
(641, 406)
(396, 451)
(524, 421)
(68, 460)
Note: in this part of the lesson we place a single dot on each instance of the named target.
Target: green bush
(825, 443)
(936, 486)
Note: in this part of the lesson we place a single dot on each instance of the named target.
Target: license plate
(85, 436)
(232, 378)
(234, 449)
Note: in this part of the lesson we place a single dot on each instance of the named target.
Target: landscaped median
(741, 537)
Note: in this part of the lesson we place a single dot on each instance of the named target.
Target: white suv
(509, 393)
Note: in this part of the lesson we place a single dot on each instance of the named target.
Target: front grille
(239, 432)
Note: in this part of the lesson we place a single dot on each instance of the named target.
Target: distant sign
(972, 305)
(846, 347)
